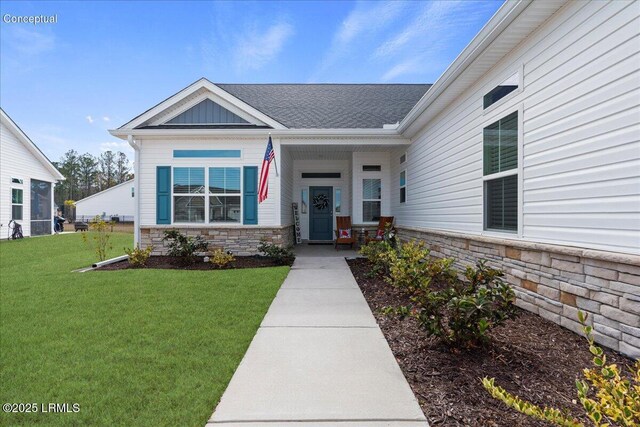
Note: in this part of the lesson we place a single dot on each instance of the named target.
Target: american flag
(269, 156)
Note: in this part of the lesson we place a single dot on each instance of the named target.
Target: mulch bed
(529, 356)
(166, 262)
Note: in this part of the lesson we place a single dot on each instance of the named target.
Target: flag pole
(275, 160)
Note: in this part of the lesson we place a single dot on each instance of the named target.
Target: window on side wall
(17, 203)
(224, 195)
(403, 186)
(503, 89)
(188, 195)
(371, 199)
(500, 153)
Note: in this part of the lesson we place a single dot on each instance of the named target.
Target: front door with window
(321, 213)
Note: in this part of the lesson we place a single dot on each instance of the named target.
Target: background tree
(108, 167)
(122, 168)
(88, 175)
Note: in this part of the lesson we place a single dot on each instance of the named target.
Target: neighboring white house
(27, 181)
(526, 152)
(115, 201)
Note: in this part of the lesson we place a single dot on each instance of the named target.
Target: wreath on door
(321, 201)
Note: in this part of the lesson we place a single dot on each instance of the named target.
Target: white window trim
(403, 186)
(17, 204)
(517, 170)
(496, 105)
(206, 194)
(371, 200)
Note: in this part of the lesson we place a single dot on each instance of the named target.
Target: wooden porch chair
(382, 225)
(344, 232)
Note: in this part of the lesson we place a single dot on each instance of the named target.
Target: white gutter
(284, 133)
(492, 29)
(136, 190)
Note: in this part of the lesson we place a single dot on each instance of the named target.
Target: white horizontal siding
(117, 200)
(16, 161)
(580, 137)
(155, 153)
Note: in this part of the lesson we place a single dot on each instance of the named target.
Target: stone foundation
(238, 240)
(556, 281)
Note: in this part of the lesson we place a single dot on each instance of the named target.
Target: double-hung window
(224, 195)
(188, 195)
(16, 203)
(371, 199)
(500, 141)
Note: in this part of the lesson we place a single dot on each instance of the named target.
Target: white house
(27, 181)
(115, 201)
(526, 151)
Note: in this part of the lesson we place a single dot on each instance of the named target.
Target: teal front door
(321, 213)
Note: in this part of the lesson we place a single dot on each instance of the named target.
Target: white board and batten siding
(285, 167)
(579, 142)
(117, 200)
(154, 153)
(17, 161)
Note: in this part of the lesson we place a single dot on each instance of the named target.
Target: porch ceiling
(332, 152)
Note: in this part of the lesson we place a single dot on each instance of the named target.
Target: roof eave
(507, 13)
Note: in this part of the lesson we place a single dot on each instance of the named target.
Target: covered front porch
(326, 180)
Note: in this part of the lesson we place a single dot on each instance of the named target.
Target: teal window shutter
(163, 195)
(250, 195)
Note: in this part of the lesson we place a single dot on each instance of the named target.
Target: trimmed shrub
(281, 255)
(378, 253)
(182, 248)
(221, 259)
(463, 313)
(138, 257)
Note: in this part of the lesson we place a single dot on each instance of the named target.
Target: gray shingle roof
(330, 106)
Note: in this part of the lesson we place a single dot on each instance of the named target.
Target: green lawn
(131, 347)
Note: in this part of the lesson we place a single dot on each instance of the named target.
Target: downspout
(136, 189)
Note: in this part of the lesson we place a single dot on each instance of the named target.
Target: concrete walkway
(318, 359)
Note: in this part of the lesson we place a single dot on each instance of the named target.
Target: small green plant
(463, 313)
(182, 248)
(378, 253)
(615, 400)
(98, 237)
(281, 255)
(138, 257)
(221, 259)
(402, 312)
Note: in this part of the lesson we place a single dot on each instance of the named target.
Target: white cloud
(366, 19)
(106, 119)
(89, 119)
(29, 41)
(419, 45)
(256, 47)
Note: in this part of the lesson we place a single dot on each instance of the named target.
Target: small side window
(403, 158)
(371, 168)
(403, 186)
(16, 181)
(502, 90)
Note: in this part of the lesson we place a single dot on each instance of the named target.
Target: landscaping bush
(614, 400)
(281, 255)
(98, 237)
(184, 248)
(408, 266)
(464, 312)
(221, 259)
(138, 257)
(378, 253)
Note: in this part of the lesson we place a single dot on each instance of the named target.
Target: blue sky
(103, 63)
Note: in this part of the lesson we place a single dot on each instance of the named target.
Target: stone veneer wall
(239, 240)
(555, 281)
